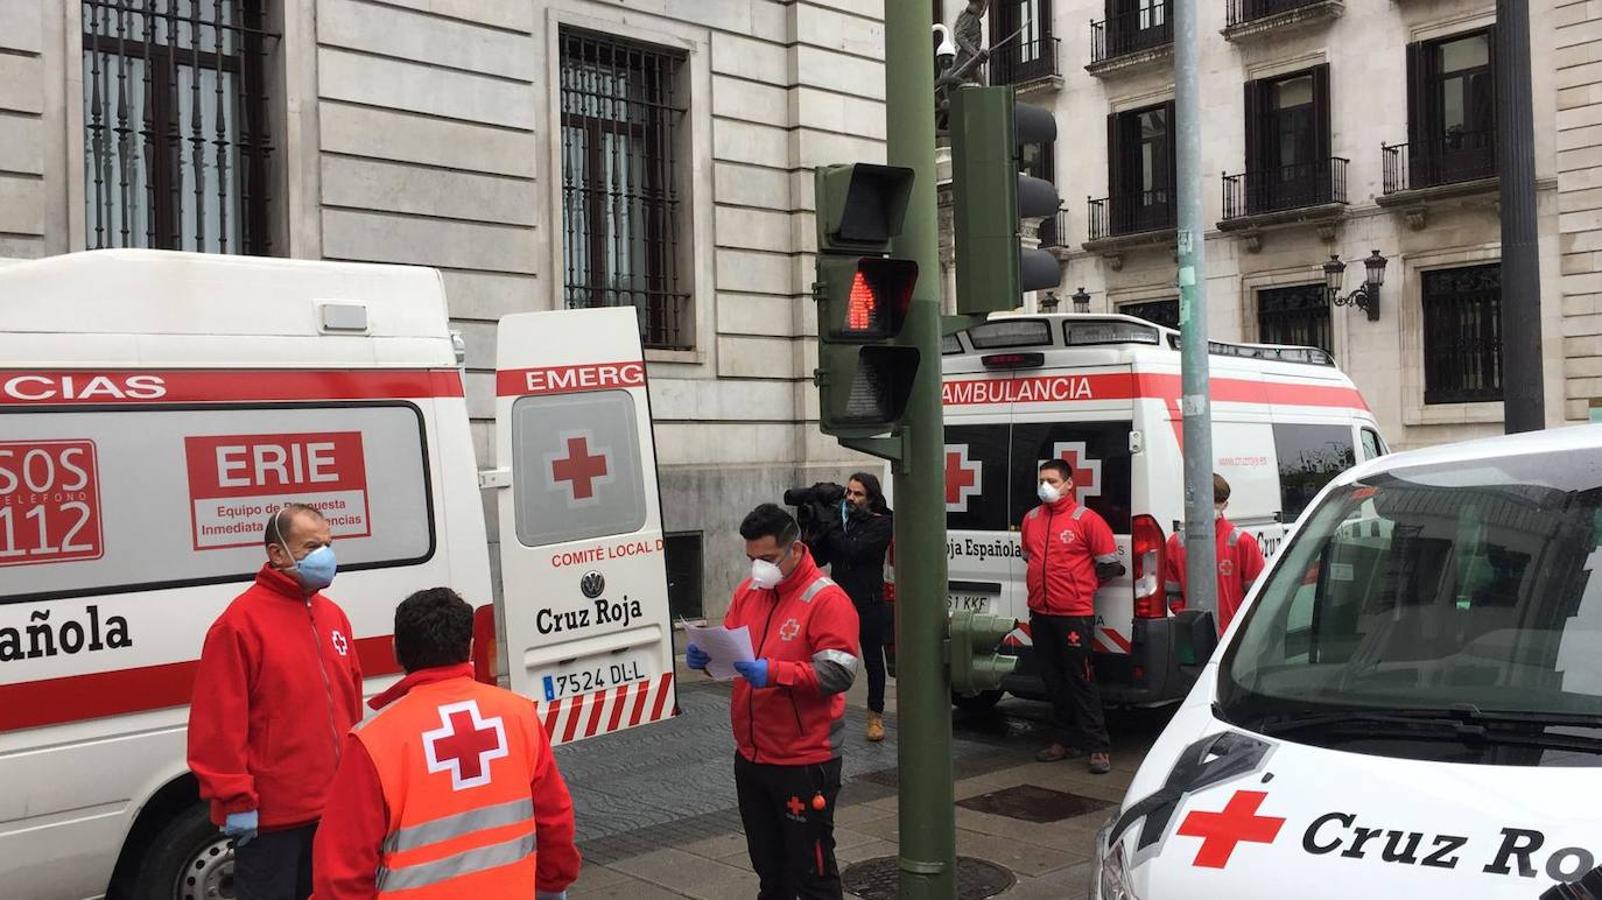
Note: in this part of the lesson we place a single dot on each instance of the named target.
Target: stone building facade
(1329, 127)
(540, 154)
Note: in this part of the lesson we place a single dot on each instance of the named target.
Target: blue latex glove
(754, 671)
(241, 826)
(696, 658)
(550, 895)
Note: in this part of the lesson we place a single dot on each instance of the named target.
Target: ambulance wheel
(189, 860)
(982, 702)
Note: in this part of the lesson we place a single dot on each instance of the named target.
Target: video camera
(815, 508)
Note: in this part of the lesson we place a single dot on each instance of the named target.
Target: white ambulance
(1102, 393)
(1408, 705)
(154, 407)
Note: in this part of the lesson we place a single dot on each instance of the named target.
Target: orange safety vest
(456, 760)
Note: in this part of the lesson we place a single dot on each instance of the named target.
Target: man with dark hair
(1240, 560)
(449, 790)
(788, 707)
(854, 543)
(1069, 552)
(278, 682)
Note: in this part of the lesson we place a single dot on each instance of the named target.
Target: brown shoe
(875, 727)
(1100, 763)
(1056, 753)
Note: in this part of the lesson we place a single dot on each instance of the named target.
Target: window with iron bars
(1463, 334)
(1295, 315)
(621, 117)
(177, 150)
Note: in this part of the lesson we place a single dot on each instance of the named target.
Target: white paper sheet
(725, 646)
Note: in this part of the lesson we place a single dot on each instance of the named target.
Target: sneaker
(1100, 763)
(875, 727)
(1056, 753)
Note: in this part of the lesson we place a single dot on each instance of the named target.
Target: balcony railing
(1132, 32)
(1134, 213)
(1054, 231)
(1449, 159)
(1285, 187)
(1023, 61)
(1243, 11)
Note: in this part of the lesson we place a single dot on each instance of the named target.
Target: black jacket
(855, 553)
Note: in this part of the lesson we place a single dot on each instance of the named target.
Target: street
(657, 815)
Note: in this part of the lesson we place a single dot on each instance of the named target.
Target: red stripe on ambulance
(146, 386)
(74, 698)
(570, 379)
(602, 712)
(1139, 386)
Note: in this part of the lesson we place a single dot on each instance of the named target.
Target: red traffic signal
(875, 298)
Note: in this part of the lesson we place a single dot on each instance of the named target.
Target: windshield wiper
(1462, 723)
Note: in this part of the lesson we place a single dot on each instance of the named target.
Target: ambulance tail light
(1014, 360)
(485, 648)
(1146, 547)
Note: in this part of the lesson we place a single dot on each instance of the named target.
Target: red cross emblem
(464, 744)
(1221, 831)
(1087, 471)
(341, 645)
(964, 478)
(579, 468)
(1073, 639)
(1226, 567)
(795, 806)
(789, 630)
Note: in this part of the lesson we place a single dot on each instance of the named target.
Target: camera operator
(854, 539)
(815, 508)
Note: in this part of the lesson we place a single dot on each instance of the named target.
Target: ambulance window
(123, 500)
(1373, 448)
(1098, 452)
(576, 467)
(1309, 456)
(976, 478)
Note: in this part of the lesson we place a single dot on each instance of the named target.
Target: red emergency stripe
(586, 715)
(74, 698)
(1142, 386)
(1122, 642)
(142, 387)
(570, 379)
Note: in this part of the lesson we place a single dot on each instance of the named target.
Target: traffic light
(975, 664)
(864, 377)
(989, 196)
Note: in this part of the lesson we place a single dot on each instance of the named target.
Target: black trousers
(790, 842)
(1062, 647)
(876, 629)
(275, 865)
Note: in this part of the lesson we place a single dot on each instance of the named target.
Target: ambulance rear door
(586, 626)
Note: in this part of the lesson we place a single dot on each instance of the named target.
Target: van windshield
(1451, 612)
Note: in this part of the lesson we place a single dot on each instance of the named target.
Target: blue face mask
(315, 570)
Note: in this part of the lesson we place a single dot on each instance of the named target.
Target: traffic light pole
(1200, 547)
(1523, 393)
(926, 808)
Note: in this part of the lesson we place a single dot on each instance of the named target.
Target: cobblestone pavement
(657, 814)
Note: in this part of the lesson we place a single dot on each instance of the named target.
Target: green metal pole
(928, 853)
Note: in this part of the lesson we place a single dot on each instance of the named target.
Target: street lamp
(1048, 303)
(1367, 296)
(1081, 300)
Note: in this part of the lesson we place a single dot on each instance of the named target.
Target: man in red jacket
(1069, 551)
(788, 707)
(277, 688)
(451, 791)
(1240, 560)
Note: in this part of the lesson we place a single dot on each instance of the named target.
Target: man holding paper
(788, 707)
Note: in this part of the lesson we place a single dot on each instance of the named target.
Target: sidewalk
(657, 816)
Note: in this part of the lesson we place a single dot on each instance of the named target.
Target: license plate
(590, 676)
(969, 602)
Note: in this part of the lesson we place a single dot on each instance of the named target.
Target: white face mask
(766, 575)
(1048, 493)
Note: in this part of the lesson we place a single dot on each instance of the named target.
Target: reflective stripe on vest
(1234, 537)
(465, 823)
(1079, 513)
(494, 856)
